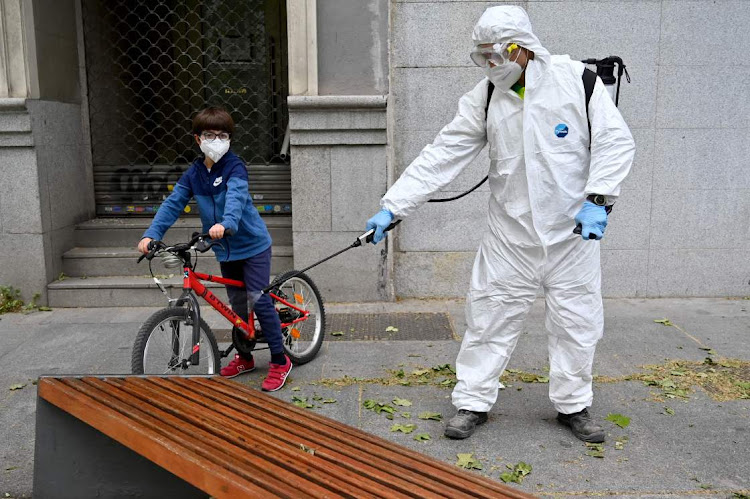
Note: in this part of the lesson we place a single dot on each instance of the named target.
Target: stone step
(118, 291)
(108, 261)
(126, 232)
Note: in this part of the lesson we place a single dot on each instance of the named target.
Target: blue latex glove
(379, 222)
(593, 220)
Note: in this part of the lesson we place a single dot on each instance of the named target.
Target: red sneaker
(276, 376)
(237, 367)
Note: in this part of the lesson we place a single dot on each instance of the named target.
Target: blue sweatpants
(255, 272)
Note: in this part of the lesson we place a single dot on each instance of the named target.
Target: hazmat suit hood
(508, 23)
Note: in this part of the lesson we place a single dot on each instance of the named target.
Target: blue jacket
(222, 197)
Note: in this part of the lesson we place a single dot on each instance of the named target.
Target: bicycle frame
(192, 287)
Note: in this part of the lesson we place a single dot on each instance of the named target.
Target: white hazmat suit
(538, 179)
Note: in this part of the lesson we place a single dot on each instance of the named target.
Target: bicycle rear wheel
(164, 345)
(303, 339)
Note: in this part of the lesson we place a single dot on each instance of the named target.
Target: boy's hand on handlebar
(143, 245)
(217, 231)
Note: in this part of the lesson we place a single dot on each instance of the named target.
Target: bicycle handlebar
(155, 246)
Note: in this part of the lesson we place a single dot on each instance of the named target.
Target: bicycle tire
(312, 351)
(159, 317)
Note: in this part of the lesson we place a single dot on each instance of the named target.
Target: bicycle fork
(194, 316)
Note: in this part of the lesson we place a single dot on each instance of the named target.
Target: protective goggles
(497, 53)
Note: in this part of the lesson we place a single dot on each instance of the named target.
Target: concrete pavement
(679, 443)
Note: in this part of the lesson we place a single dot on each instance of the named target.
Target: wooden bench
(150, 436)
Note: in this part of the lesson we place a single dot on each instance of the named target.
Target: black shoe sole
(457, 434)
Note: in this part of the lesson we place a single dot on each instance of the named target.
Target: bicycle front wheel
(164, 345)
(303, 339)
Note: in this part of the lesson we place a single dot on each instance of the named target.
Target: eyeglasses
(497, 53)
(214, 136)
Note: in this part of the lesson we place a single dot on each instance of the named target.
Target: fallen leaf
(11, 468)
(406, 415)
(435, 416)
(710, 350)
(18, 386)
(329, 401)
(618, 419)
(421, 437)
(296, 389)
(404, 428)
(677, 373)
(420, 372)
(401, 402)
(317, 397)
(307, 449)
(337, 333)
(595, 450)
(391, 329)
(669, 411)
(517, 473)
(301, 402)
(665, 322)
(468, 462)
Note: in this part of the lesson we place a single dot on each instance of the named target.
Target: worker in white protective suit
(547, 174)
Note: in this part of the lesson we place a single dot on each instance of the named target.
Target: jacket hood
(508, 23)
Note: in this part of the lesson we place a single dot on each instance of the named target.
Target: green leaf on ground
(533, 378)
(317, 397)
(710, 350)
(379, 408)
(337, 333)
(677, 373)
(595, 450)
(435, 416)
(404, 428)
(296, 389)
(391, 329)
(517, 473)
(421, 437)
(467, 462)
(420, 372)
(618, 419)
(443, 368)
(401, 402)
(665, 322)
(301, 402)
(17, 386)
(669, 411)
(706, 486)
(400, 373)
(329, 401)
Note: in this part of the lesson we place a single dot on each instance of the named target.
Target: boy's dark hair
(213, 118)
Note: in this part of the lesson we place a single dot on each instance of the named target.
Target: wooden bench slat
(293, 460)
(337, 450)
(223, 453)
(164, 452)
(400, 457)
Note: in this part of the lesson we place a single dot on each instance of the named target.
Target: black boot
(463, 424)
(583, 427)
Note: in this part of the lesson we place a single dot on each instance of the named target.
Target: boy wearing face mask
(219, 183)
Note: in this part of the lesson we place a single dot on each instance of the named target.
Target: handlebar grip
(141, 258)
(579, 229)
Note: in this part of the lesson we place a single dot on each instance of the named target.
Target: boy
(219, 184)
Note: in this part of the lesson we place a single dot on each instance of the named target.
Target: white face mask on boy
(214, 149)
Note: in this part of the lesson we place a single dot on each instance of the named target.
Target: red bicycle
(176, 340)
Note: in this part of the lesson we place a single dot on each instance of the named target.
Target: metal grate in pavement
(389, 326)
